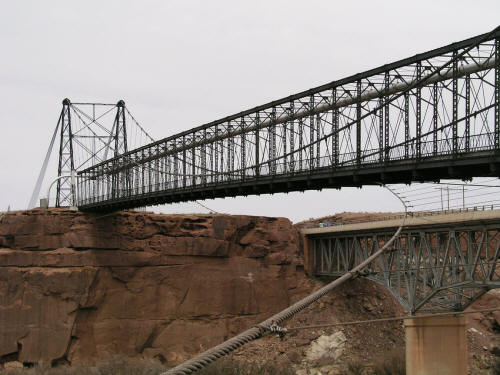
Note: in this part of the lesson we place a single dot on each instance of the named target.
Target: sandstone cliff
(78, 288)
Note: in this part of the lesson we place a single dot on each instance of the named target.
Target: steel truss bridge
(424, 118)
(437, 263)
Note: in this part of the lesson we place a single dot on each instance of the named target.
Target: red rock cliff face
(77, 287)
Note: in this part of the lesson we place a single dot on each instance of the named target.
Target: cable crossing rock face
(272, 324)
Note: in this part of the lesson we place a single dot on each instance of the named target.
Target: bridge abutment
(308, 246)
(436, 346)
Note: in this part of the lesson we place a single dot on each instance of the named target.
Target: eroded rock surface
(77, 287)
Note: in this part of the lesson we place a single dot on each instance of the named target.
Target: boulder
(327, 348)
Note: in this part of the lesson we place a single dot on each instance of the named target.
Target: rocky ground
(330, 349)
(76, 288)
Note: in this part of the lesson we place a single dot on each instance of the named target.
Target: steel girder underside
(432, 268)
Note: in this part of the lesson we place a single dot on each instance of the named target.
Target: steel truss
(424, 118)
(426, 269)
(65, 195)
(87, 138)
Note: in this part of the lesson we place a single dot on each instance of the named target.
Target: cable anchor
(280, 331)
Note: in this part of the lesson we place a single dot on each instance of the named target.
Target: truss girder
(91, 133)
(429, 269)
(65, 195)
(440, 105)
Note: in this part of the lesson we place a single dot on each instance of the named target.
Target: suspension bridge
(431, 117)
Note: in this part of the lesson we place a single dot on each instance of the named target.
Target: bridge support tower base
(436, 346)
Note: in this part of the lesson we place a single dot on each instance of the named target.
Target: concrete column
(308, 255)
(436, 346)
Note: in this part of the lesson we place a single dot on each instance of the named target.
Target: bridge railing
(481, 142)
(398, 216)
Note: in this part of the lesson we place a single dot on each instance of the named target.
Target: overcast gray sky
(179, 64)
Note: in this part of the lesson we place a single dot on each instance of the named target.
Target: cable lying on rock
(259, 330)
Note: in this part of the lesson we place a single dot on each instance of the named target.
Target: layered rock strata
(77, 287)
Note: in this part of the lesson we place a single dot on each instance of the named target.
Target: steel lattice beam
(440, 267)
(364, 129)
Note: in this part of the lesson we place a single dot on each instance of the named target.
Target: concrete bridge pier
(436, 346)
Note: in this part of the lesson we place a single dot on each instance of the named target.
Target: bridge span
(440, 262)
(429, 117)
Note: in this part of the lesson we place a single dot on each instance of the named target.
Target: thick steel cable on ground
(257, 331)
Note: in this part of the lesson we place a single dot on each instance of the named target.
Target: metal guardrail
(400, 216)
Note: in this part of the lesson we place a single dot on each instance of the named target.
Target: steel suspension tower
(65, 190)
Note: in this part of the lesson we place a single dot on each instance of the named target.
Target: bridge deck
(424, 221)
